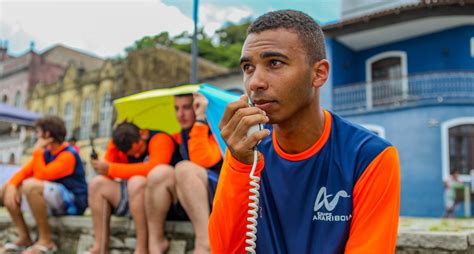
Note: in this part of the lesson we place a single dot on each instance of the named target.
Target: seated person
(53, 182)
(192, 182)
(130, 156)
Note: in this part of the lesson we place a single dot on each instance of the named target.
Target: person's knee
(184, 171)
(136, 184)
(10, 206)
(161, 174)
(96, 184)
(31, 185)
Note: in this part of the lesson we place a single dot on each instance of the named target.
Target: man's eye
(275, 63)
(246, 67)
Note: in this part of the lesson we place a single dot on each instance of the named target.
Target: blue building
(406, 72)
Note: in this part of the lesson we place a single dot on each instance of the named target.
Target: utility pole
(194, 49)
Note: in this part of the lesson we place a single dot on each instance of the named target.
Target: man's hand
(42, 143)
(101, 167)
(237, 120)
(12, 196)
(200, 105)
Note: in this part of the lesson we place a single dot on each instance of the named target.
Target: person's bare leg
(104, 193)
(17, 218)
(160, 193)
(136, 196)
(33, 190)
(192, 189)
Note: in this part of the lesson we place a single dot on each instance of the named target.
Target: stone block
(177, 247)
(85, 242)
(130, 243)
(434, 240)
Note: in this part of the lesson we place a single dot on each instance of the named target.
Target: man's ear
(320, 72)
(144, 134)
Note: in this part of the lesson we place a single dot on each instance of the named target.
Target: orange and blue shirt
(63, 166)
(199, 146)
(341, 195)
(161, 149)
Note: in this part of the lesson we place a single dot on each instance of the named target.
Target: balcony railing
(439, 87)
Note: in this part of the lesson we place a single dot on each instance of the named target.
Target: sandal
(43, 249)
(13, 248)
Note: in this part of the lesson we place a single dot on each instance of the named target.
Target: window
(461, 148)
(11, 159)
(472, 47)
(86, 121)
(18, 99)
(4, 98)
(458, 146)
(68, 119)
(51, 111)
(385, 75)
(105, 123)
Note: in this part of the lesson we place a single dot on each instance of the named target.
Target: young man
(192, 182)
(450, 186)
(52, 182)
(131, 155)
(327, 186)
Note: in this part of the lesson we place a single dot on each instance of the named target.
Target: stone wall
(74, 234)
(416, 236)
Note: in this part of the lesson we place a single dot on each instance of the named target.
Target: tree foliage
(222, 48)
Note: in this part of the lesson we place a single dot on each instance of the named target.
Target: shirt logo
(323, 199)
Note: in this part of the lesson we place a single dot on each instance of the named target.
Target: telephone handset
(254, 196)
(94, 154)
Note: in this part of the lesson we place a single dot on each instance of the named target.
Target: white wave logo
(328, 205)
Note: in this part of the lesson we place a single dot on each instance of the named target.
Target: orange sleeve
(60, 167)
(22, 174)
(203, 148)
(113, 154)
(376, 206)
(160, 150)
(177, 137)
(227, 223)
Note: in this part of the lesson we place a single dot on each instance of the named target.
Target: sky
(106, 27)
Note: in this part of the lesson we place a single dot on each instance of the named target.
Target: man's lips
(263, 104)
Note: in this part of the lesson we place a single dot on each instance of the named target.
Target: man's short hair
(124, 135)
(184, 95)
(54, 126)
(307, 29)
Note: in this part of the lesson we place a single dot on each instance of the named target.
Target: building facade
(407, 73)
(84, 98)
(18, 77)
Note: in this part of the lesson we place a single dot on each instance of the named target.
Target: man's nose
(258, 80)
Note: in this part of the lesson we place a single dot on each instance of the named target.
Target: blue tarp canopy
(11, 114)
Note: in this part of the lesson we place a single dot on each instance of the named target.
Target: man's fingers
(231, 109)
(252, 140)
(233, 126)
(241, 128)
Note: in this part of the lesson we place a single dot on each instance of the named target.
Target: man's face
(183, 106)
(137, 149)
(277, 74)
(39, 133)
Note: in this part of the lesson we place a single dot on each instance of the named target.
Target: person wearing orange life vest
(122, 177)
(191, 184)
(52, 182)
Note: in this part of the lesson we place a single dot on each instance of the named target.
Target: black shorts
(177, 213)
(122, 209)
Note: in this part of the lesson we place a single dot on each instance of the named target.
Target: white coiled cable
(253, 207)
